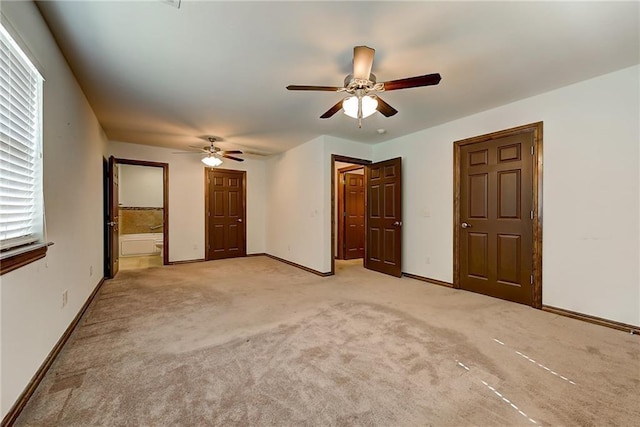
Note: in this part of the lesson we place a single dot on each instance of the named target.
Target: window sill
(20, 258)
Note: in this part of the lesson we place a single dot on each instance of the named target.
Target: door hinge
(344, 214)
(532, 279)
(531, 214)
(532, 150)
(209, 214)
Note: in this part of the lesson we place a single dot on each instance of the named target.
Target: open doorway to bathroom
(137, 227)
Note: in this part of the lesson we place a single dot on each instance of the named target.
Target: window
(21, 202)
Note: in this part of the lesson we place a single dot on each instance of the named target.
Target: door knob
(239, 219)
(397, 223)
(465, 225)
(111, 223)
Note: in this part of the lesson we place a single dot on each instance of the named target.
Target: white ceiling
(163, 76)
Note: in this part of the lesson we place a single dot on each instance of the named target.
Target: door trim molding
(350, 168)
(339, 219)
(165, 199)
(536, 129)
(206, 206)
(341, 207)
(339, 158)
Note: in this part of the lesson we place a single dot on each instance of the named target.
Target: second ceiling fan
(362, 85)
(213, 153)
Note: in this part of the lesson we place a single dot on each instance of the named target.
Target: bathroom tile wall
(140, 220)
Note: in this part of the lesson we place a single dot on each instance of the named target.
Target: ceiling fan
(362, 85)
(213, 153)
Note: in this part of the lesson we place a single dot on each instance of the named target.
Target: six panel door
(225, 214)
(354, 215)
(384, 217)
(496, 229)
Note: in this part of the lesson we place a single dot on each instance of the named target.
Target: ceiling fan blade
(331, 111)
(257, 153)
(238, 159)
(203, 149)
(362, 62)
(321, 88)
(230, 152)
(426, 80)
(384, 108)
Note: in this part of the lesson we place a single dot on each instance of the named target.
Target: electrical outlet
(427, 260)
(64, 298)
(195, 247)
(91, 270)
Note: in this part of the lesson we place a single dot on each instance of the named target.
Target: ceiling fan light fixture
(211, 161)
(350, 106)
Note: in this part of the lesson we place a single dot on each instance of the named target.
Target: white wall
(140, 186)
(186, 197)
(32, 315)
(299, 212)
(591, 190)
(295, 210)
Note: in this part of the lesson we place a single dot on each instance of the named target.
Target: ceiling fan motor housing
(351, 84)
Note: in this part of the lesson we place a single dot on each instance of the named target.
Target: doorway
(350, 213)
(136, 215)
(340, 165)
(382, 213)
(497, 214)
(225, 213)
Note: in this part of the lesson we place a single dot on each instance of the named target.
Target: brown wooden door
(496, 217)
(384, 217)
(225, 214)
(114, 218)
(354, 215)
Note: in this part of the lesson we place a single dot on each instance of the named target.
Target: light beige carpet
(253, 341)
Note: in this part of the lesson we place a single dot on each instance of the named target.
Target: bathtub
(141, 244)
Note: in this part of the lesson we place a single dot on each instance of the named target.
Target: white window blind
(21, 202)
